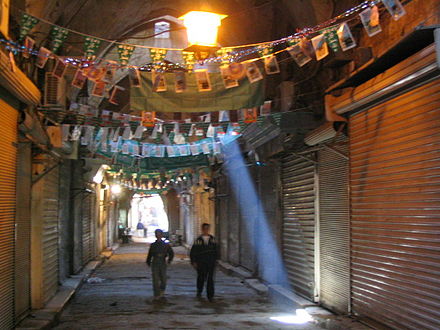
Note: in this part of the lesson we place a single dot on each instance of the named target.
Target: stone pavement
(123, 300)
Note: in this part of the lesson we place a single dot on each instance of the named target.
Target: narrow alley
(292, 145)
(124, 299)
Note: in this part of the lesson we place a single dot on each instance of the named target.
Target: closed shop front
(45, 232)
(298, 238)
(268, 237)
(394, 129)
(334, 226)
(23, 231)
(222, 196)
(248, 210)
(8, 155)
(233, 228)
(87, 229)
(50, 234)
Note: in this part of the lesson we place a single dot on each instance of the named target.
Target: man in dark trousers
(157, 255)
(204, 254)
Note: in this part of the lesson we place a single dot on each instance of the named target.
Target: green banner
(189, 59)
(331, 37)
(59, 35)
(157, 55)
(125, 52)
(91, 46)
(26, 25)
(245, 95)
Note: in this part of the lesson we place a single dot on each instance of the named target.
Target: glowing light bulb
(202, 27)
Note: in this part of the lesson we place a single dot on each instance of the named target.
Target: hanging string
(302, 33)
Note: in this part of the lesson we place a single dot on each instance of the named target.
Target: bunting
(370, 21)
(58, 36)
(157, 55)
(189, 59)
(27, 23)
(331, 37)
(91, 46)
(125, 52)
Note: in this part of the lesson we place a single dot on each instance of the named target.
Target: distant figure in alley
(157, 259)
(204, 255)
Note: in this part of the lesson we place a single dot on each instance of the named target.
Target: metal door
(298, 183)
(395, 221)
(87, 239)
(23, 232)
(334, 227)
(8, 155)
(50, 233)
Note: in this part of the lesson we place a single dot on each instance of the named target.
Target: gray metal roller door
(23, 232)
(8, 154)
(395, 221)
(222, 214)
(247, 224)
(298, 181)
(50, 234)
(334, 228)
(87, 243)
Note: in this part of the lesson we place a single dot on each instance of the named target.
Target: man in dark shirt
(157, 255)
(204, 254)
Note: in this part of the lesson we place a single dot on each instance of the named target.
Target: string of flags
(207, 146)
(309, 43)
(149, 119)
(123, 140)
(155, 182)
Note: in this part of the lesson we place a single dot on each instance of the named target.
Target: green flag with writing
(146, 98)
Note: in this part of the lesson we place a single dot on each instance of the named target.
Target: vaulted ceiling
(249, 20)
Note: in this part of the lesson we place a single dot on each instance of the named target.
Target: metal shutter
(23, 231)
(247, 221)
(234, 228)
(222, 214)
(268, 230)
(395, 197)
(8, 154)
(334, 228)
(87, 244)
(50, 234)
(298, 181)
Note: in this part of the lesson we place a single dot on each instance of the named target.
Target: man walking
(157, 255)
(204, 254)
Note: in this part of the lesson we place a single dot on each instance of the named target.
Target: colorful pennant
(26, 25)
(58, 35)
(125, 52)
(91, 46)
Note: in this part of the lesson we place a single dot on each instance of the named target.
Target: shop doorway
(146, 215)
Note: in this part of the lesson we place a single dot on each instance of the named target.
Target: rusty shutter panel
(8, 155)
(298, 182)
(395, 222)
(334, 228)
(87, 246)
(50, 233)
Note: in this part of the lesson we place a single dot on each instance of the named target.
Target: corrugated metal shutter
(234, 228)
(334, 228)
(8, 154)
(395, 197)
(298, 181)
(50, 234)
(247, 223)
(23, 232)
(222, 214)
(87, 244)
